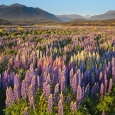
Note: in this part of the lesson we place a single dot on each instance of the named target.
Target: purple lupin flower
(87, 89)
(63, 87)
(79, 95)
(48, 80)
(60, 107)
(97, 87)
(73, 106)
(71, 76)
(9, 96)
(17, 87)
(44, 87)
(61, 97)
(103, 113)
(38, 81)
(25, 111)
(110, 85)
(23, 90)
(48, 92)
(100, 77)
(36, 72)
(30, 92)
(50, 103)
(74, 84)
(78, 77)
(102, 91)
(33, 82)
(105, 83)
(16, 93)
(56, 93)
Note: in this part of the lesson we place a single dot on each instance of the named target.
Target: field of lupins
(57, 71)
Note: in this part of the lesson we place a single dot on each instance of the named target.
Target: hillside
(108, 15)
(18, 12)
(4, 22)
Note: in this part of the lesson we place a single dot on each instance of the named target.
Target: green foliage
(16, 108)
(10, 52)
(3, 66)
(42, 48)
(105, 104)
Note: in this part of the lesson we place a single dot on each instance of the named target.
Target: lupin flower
(48, 91)
(60, 107)
(102, 91)
(56, 93)
(25, 111)
(38, 81)
(74, 84)
(23, 90)
(50, 103)
(61, 97)
(44, 88)
(32, 106)
(9, 96)
(63, 87)
(33, 82)
(79, 95)
(16, 93)
(73, 106)
(103, 113)
(30, 92)
(110, 85)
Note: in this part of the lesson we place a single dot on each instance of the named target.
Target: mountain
(108, 15)
(67, 18)
(87, 16)
(24, 13)
(4, 22)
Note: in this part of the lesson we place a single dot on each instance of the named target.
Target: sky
(58, 7)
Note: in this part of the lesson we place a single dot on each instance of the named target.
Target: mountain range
(18, 12)
(21, 14)
(67, 18)
(108, 15)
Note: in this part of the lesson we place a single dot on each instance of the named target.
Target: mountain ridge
(105, 16)
(22, 12)
(70, 17)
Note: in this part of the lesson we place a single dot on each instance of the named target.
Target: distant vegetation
(4, 22)
(84, 22)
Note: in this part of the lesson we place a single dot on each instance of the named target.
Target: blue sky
(82, 7)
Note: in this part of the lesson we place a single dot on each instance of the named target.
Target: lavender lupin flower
(50, 103)
(73, 106)
(102, 91)
(25, 111)
(103, 113)
(23, 90)
(110, 85)
(60, 107)
(48, 91)
(74, 84)
(79, 95)
(56, 93)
